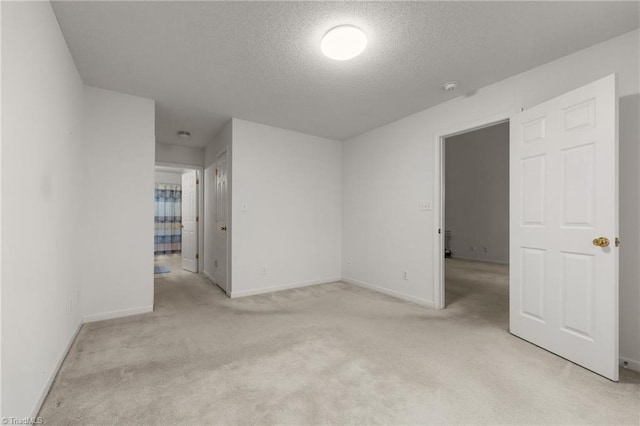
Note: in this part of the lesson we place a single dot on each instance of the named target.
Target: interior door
(190, 221)
(221, 220)
(564, 226)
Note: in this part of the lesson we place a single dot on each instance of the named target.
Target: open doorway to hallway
(177, 204)
(476, 222)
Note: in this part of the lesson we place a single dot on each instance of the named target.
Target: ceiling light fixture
(343, 42)
(183, 134)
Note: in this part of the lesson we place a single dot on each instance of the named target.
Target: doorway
(177, 212)
(476, 221)
(563, 215)
(464, 240)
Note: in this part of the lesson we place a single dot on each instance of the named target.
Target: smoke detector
(183, 134)
(450, 86)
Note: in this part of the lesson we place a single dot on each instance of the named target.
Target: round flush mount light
(343, 42)
(183, 134)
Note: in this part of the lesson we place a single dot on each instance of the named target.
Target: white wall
(41, 140)
(477, 193)
(176, 154)
(223, 140)
(168, 177)
(286, 209)
(118, 193)
(390, 170)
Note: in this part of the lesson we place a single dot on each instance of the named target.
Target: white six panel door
(221, 209)
(563, 195)
(189, 221)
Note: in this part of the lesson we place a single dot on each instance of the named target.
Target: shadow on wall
(629, 111)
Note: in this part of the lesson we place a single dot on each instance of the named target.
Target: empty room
(229, 212)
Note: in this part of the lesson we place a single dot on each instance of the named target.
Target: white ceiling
(205, 62)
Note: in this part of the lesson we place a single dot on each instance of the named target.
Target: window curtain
(168, 218)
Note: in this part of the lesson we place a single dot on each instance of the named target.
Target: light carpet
(327, 354)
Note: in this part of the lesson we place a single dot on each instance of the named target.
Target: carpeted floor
(171, 261)
(327, 354)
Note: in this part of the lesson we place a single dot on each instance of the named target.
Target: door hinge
(439, 230)
(617, 242)
(197, 181)
(197, 218)
(197, 256)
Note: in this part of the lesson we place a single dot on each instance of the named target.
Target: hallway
(173, 262)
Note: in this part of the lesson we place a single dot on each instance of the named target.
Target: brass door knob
(601, 242)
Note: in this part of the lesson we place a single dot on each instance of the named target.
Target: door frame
(200, 200)
(439, 197)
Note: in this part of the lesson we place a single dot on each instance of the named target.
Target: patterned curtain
(168, 217)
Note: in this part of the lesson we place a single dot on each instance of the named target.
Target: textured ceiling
(204, 62)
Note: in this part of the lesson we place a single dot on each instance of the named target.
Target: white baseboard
(473, 259)
(262, 290)
(632, 364)
(47, 385)
(393, 293)
(117, 314)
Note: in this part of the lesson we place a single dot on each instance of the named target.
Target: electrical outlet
(264, 270)
(215, 263)
(405, 276)
(472, 248)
